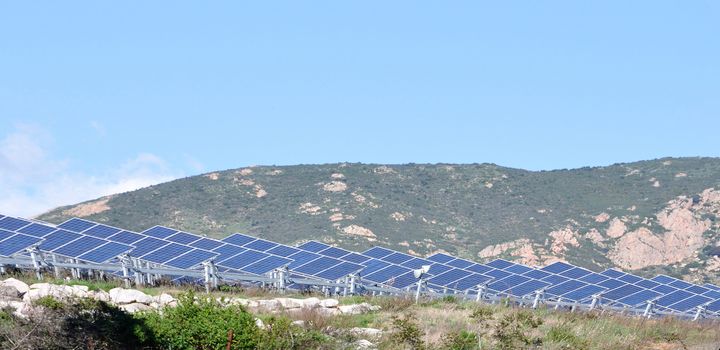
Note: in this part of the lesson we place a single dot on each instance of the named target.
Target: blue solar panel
(714, 306)
(12, 224)
(261, 245)
(377, 252)
(594, 278)
(471, 281)
(183, 238)
(673, 298)
(101, 231)
(436, 269)
(621, 292)
(557, 267)
(508, 283)
(441, 258)
(228, 250)
(79, 246)
(338, 271)
(36, 230)
(611, 283)
(57, 239)
(206, 243)
(612, 273)
(555, 279)
(663, 289)
(479, 268)
(639, 298)
(397, 258)
(647, 284)
(16, 244)
(243, 259)
(159, 232)
(314, 246)
(166, 253)
(387, 274)
(374, 265)
(191, 259)
(76, 225)
(537, 274)
(575, 273)
(283, 250)
(146, 245)
(565, 287)
(126, 237)
(238, 239)
(266, 265)
(415, 263)
(499, 264)
(630, 278)
(445, 279)
(5, 234)
(317, 265)
(403, 280)
(497, 274)
(356, 258)
(696, 289)
(460, 263)
(689, 303)
(680, 284)
(527, 288)
(714, 294)
(301, 258)
(711, 286)
(582, 293)
(105, 252)
(663, 279)
(334, 252)
(518, 269)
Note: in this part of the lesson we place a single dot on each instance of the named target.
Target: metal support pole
(206, 266)
(481, 292)
(36, 262)
(56, 269)
(126, 270)
(417, 291)
(214, 271)
(139, 277)
(538, 296)
(352, 284)
(700, 312)
(649, 308)
(281, 279)
(557, 306)
(594, 302)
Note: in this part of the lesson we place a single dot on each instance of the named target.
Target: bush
(281, 334)
(512, 330)
(407, 332)
(200, 324)
(564, 335)
(462, 340)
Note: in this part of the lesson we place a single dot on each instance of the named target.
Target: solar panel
(126, 237)
(397, 258)
(664, 289)
(147, 245)
(680, 284)
(183, 238)
(471, 281)
(714, 294)
(36, 230)
(497, 274)
(555, 279)
(5, 234)
(697, 289)
(415, 263)
(593, 278)
(283, 250)
(611, 283)
(243, 259)
(499, 264)
(402, 281)
(565, 287)
(334, 252)
(313, 246)
(227, 251)
(508, 283)
(557, 267)
(260, 245)
(338, 271)
(387, 274)
(527, 288)
(582, 293)
(159, 232)
(17, 243)
(191, 259)
(301, 258)
(101, 231)
(12, 224)
(673, 298)
(575, 273)
(238, 239)
(711, 286)
(76, 225)
(373, 266)
(518, 269)
(166, 253)
(79, 246)
(377, 252)
(57, 239)
(436, 269)
(648, 284)
(537, 274)
(612, 273)
(206, 243)
(460, 263)
(446, 278)
(105, 252)
(621, 292)
(266, 265)
(689, 303)
(317, 265)
(630, 278)
(356, 258)
(663, 279)
(441, 258)
(639, 298)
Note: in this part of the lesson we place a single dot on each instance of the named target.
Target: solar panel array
(97, 243)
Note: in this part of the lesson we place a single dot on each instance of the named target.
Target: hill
(651, 216)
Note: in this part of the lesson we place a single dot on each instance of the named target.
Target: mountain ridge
(654, 216)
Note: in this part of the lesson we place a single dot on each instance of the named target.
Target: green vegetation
(458, 208)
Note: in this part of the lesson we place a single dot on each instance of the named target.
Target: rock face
(129, 296)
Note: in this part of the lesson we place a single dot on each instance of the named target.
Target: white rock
(259, 323)
(311, 303)
(290, 303)
(165, 299)
(21, 286)
(366, 332)
(128, 296)
(299, 323)
(328, 311)
(243, 302)
(364, 344)
(80, 288)
(134, 307)
(271, 304)
(59, 292)
(356, 309)
(329, 303)
(101, 295)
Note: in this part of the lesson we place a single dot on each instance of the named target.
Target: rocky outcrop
(616, 229)
(562, 239)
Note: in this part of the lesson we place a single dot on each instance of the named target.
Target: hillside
(649, 216)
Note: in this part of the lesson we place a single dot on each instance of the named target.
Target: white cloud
(32, 181)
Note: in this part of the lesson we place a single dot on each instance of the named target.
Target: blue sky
(97, 97)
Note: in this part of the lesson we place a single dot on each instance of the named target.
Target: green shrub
(200, 324)
(564, 335)
(460, 340)
(281, 334)
(49, 302)
(512, 330)
(407, 332)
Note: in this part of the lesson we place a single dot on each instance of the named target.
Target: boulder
(356, 309)
(21, 286)
(166, 299)
(329, 303)
(134, 307)
(299, 323)
(59, 292)
(9, 293)
(310, 303)
(366, 332)
(121, 296)
(328, 311)
(290, 303)
(259, 323)
(244, 302)
(269, 305)
(100, 295)
(364, 344)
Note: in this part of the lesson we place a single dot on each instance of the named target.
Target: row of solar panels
(96, 243)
